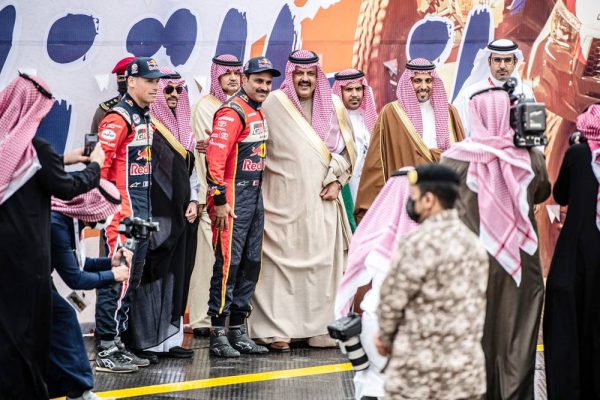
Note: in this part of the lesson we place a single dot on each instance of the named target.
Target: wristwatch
(340, 185)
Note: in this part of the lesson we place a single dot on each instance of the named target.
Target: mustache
(172, 98)
(304, 83)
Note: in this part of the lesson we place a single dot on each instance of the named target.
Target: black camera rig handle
(130, 244)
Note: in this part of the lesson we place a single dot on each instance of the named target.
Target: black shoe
(176, 352)
(150, 356)
(113, 360)
(219, 345)
(241, 341)
(202, 332)
(135, 359)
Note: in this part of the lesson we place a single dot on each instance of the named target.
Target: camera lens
(356, 354)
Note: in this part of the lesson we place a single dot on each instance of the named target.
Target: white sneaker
(89, 395)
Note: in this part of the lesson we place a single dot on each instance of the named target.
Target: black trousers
(238, 256)
(69, 369)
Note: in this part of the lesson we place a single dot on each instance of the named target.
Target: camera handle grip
(130, 244)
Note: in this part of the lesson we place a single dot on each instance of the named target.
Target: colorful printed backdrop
(74, 46)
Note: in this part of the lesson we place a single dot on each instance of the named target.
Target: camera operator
(432, 307)
(69, 371)
(500, 183)
(371, 250)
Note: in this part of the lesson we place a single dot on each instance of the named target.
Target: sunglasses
(170, 89)
(39, 87)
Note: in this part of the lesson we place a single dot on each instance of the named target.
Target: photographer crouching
(372, 248)
(502, 176)
(69, 371)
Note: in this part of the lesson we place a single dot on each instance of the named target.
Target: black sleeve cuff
(220, 199)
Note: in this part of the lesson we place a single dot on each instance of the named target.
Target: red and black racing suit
(125, 134)
(235, 160)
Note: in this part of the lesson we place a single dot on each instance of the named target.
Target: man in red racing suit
(125, 134)
(235, 161)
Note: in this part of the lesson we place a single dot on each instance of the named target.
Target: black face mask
(122, 87)
(410, 210)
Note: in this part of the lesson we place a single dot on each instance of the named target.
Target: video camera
(136, 228)
(347, 330)
(527, 118)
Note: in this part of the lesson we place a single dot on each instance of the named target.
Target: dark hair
(446, 193)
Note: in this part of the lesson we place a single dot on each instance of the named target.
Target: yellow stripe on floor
(226, 380)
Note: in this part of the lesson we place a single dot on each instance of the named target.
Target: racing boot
(219, 345)
(240, 341)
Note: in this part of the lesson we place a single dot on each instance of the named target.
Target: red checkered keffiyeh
(439, 101)
(22, 108)
(92, 206)
(216, 71)
(178, 123)
(368, 102)
(588, 124)
(500, 174)
(324, 121)
(375, 240)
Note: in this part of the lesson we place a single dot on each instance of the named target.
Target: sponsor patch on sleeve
(108, 134)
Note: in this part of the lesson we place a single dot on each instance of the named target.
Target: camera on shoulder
(527, 118)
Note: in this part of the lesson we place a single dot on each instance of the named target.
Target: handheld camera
(134, 229)
(347, 330)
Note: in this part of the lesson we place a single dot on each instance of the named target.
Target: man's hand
(221, 217)
(74, 157)
(201, 145)
(121, 273)
(122, 252)
(98, 155)
(331, 191)
(192, 212)
(382, 348)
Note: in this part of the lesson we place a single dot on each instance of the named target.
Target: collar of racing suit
(135, 105)
(242, 95)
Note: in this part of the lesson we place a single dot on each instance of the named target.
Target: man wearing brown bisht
(414, 130)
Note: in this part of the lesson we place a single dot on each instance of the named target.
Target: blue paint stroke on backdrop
(282, 42)
(180, 35)
(429, 40)
(517, 6)
(55, 127)
(233, 35)
(145, 38)
(71, 37)
(8, 17)
(476, 36)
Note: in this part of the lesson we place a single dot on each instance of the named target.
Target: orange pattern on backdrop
(258, 48)
(331, 34)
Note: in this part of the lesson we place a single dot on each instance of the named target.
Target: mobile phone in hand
(91, 139)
